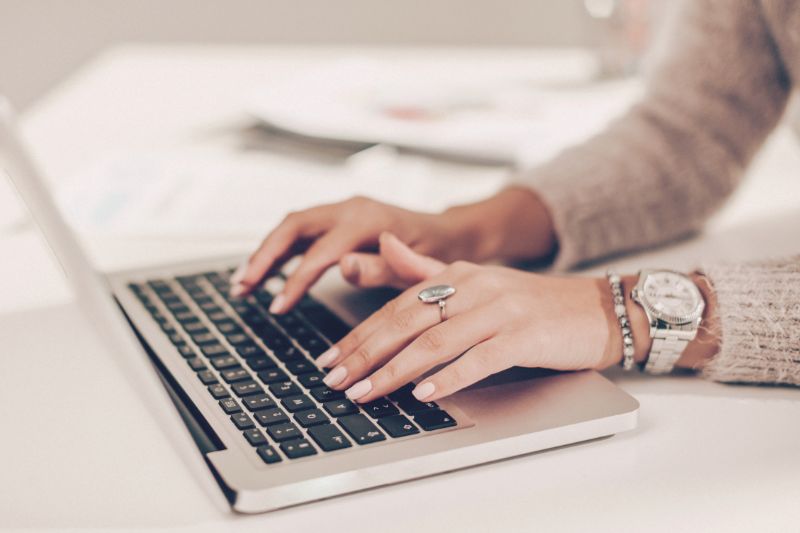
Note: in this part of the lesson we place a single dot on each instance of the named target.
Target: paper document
(502, 112)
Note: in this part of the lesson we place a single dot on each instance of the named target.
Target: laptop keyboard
(259, 367)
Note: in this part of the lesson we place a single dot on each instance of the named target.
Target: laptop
(247, 388)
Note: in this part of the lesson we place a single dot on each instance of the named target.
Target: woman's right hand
(347, 233)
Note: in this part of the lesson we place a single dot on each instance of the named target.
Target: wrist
(707, 342)
(697, 353)
(513, 224)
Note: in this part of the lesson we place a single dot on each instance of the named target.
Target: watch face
(672, 297)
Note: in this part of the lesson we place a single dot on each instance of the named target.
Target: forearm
(512, 225)
(660, 171)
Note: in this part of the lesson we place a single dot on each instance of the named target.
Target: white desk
(79, 450)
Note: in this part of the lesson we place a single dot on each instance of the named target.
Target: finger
(308, 223)
(380, 318)
(324, 253)
(394, 334)
(368, 270)
(479, 362)
(407, 264)
(433, 347)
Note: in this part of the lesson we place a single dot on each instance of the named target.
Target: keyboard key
(434, 419)
(300, 366)
(408, 403)
(213, 350)
(268, 454)
(223, 362)
(282, 432)
(312, 417)
(260, 401)
(380, 408)
(287, 353)
(196, 363)
(230, 406)
(242, 421)
(238, 338)
(247, 388)
(298, 448)
(325, 394)
(340, 408)
(361, 429)
(311, 380)
(186, 316)
(195, 328)
(255, 437)
(283, 389)
(207, 377)
(329, 437)
(228, 327)
(234, 375)
(301, 402)
(267, 417)
(185, 350)
(260, 363)
(218, 316)
(398, 426)
(272, 375)
(313, 344)
(218, 391)
(204, 338)
(324, 320)
(249, 350)
(175, 339)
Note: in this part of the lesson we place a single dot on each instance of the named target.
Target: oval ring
(437, 294)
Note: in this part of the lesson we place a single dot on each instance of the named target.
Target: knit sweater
(661, 170)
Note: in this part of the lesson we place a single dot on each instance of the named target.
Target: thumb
(407, 264)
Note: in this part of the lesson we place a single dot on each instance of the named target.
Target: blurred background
(42, 41)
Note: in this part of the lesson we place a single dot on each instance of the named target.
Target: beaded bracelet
(622, 316)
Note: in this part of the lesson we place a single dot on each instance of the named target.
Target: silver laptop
(248, 390)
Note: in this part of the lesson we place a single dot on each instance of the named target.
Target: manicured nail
(328, 357)
(237, 290)
(238, 275)
(353, 268)
(423, 391)
(336, 376)
(359, 389)
(277, 304)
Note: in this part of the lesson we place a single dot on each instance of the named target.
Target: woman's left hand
(498, 318)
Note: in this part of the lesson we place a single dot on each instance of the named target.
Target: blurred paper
(497, 112)
(210, 191)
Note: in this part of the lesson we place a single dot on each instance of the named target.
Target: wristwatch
(674, 307)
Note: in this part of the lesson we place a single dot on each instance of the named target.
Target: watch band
(666, 349)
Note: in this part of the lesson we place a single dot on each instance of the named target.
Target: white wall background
(41, 41)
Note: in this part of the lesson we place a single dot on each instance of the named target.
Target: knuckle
(389, 309)
(362, 357)
(402, 320)
(390, 372)
(432, 340)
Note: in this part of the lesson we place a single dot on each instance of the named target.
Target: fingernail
(359, 389)
(336, 376)
(237, 290)
(353, 268)
(423, 391)
(328, 357)
(238, 275)
(277, 304)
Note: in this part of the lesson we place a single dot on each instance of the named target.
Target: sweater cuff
(759, 312)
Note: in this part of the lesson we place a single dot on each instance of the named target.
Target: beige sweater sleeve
(660, 171)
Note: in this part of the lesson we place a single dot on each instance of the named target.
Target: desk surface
(84, 453)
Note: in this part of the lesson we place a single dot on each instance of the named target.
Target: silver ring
(437, 294)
